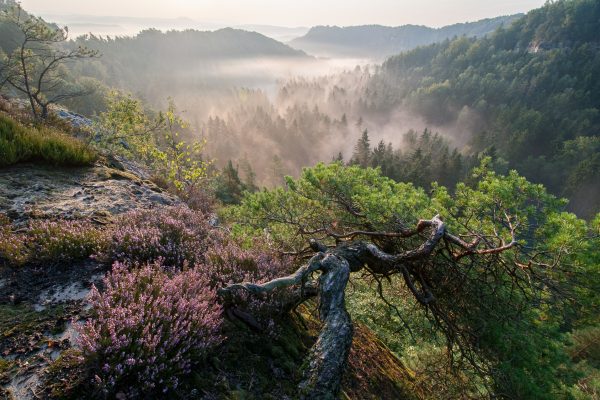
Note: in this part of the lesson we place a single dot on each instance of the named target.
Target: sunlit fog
(300, 199)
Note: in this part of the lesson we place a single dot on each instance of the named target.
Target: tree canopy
(487, 263)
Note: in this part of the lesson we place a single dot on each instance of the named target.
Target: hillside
(182, 60)
(378, 42)
(526, 94)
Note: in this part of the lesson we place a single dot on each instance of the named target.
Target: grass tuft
(40, 144)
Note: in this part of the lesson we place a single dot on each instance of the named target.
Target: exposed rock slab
(99, 192)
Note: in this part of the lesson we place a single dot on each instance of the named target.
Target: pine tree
(362, 151)
(230, 186)
(338, 158)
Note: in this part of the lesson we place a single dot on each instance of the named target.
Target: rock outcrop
(46, 298)
(99, 192)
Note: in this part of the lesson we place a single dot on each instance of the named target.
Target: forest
(191, 214)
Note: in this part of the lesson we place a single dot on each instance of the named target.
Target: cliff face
(42, 301)
(39, 304)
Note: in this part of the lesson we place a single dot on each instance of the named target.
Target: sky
(292, 13)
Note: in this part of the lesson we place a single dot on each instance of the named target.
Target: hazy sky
(293, 12)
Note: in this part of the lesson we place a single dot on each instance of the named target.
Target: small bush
(63, 241)
(149, 328)
(13, 251)
(19, 143)
(227, 263)
(46, 241)
(176, 235)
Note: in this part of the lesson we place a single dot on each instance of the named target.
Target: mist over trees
(419, 201)
(531, 87)
(524, 95)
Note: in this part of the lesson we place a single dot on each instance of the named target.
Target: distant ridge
(379, 42)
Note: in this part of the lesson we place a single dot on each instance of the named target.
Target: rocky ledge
(99, 192)
(39, 302)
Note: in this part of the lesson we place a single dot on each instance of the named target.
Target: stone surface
(99, 192)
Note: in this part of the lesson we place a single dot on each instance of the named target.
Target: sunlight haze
(433, 13)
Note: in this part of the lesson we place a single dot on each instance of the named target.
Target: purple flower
(148, 325)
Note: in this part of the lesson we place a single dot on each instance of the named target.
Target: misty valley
(199, 209)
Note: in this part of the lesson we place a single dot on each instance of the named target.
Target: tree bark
(329, 354)
(327, 359)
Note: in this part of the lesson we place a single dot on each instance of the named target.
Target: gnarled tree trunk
(328, 356)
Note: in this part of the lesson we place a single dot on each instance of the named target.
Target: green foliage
(154, 139)
(362, 151)
(529, 90)
(36, 69)
(584, 350)
(505, 306)
(95, 101)
(179, 162)
(311, 202)
(230, 187)
(125, 126)
(40, 144)
(423, 159)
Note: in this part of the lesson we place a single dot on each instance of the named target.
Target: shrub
(177, 235)
(13, 250)
(149, 328)
(47, 241)
(227, 262)
(63, 240)
(19, 143)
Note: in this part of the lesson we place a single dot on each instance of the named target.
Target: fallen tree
(491, 269)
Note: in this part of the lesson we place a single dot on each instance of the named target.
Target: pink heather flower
(150, 326)
(176, 235)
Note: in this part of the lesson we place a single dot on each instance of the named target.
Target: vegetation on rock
(417, 266)
(21, 143)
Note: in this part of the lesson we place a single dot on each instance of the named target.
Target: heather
(64, 240)
(176, 235)
(228, 262)
(12, 245)
(149, 328)
(49, 241)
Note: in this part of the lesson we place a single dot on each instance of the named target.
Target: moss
(6, 367)
(67, 377)
(374, 372)
(253, 365)
(22, 328)
(111, 173)
(40, 144)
